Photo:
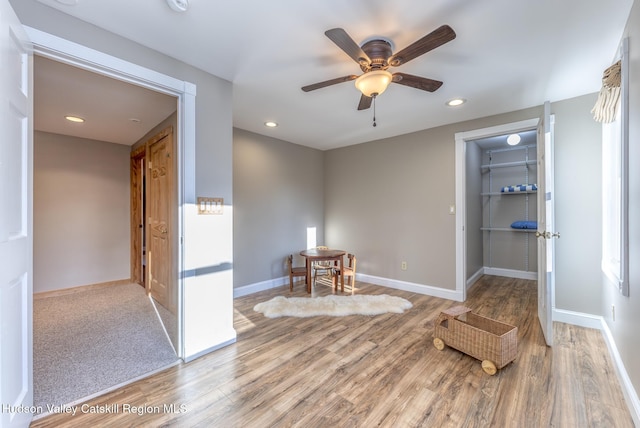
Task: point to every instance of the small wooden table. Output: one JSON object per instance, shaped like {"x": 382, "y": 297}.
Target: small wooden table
{"x": 313, "y": 255}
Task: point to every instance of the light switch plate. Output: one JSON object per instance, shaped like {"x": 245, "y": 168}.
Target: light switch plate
{"x": 210, "y": 206}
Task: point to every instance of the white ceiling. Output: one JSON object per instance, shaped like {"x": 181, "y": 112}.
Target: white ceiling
{"x": 508, "y": 55}
{"x": 114, "y": 111}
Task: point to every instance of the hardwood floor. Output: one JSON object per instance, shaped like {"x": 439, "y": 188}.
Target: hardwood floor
{"x": 362, "y": 371}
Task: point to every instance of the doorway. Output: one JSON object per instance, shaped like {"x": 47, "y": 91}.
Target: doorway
{"x": 154, "y": 223}
{"x": 153, "y": 206}
{"x": 501, "y": 205}
{"x": 478, "y": 203}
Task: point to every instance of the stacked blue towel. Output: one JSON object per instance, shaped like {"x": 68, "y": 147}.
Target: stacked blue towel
{"x": 519, "y": 188}
{"x": 525, "y": 224}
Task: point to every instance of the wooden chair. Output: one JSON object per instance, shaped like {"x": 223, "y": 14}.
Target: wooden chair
{"x": 349, "y": 272}
{"x": 325, "y": 265}
{"x": 295, "y": 271}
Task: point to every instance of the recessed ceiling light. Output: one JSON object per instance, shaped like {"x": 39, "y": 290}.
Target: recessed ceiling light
{"x": 68, "y": 2}
{"x": 456, "y": 102}
{"x": 74, "y": 119}
{"x": 270, "y": 124}
{"x": 513, "y": 139}
{"x": 135, "y": 120}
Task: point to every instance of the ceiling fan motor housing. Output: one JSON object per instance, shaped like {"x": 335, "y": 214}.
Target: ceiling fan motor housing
{"x": 378, "y": 51}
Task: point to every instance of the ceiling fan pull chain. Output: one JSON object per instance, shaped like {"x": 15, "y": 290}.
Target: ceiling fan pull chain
{"x": 374, "y": 111}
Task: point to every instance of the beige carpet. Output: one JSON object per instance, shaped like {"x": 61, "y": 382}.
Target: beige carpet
{"x": 90, "y": 341}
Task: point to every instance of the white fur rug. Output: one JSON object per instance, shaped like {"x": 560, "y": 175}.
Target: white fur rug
{"x": 337, "y": 306}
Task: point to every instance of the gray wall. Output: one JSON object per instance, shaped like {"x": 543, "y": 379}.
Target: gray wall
{"x": 578, "y": 207}
{"x": 278, "y": 191}
{"x": 387, "y": 201}
{"x": 625, "y": 326}
{"x": 80, "y": 212}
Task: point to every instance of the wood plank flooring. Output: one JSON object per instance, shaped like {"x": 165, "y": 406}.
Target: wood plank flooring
{"x": 361, "y": 371}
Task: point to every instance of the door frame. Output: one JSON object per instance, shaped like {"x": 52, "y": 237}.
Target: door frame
{"x": 136, "y": 210}
{"x": 461, "y": 139}
{"x": 67, "y": 52}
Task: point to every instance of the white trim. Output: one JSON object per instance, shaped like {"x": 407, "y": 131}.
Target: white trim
{"x": 461, "y": 214}
{"x": 461, "y": 188}
{"x": 245, "y": 290}
{"x": 599, "y": 323}
{"x": 80, "y": 56}
{"x": 233, "y": 339}
{"x": 630, "y": 394}
{"x": 412, "y": 287}
{"x": 511, "y": 273}
{"x": 72, "y": 53}
{"x": 473, "y": 278}
{"x": 376, "y": 280}
{"x": 577, "y": 318}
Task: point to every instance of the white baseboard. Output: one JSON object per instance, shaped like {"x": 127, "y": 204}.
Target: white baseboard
{"x": 245, "y": 290}
{"x": 473, "y": 278}
{"x": 630, "y": 394}
{"x": 577, "y": 318}
{"x": 411, "y": 286}
{"x": 599, "y": 323}
{"x": 228, "y": 342}
{"x": 511, "y": 273}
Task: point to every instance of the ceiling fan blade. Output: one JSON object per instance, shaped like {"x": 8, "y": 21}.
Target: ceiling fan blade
{"x": 436, "y": 38}
{"x": 329, "y": 83}
{"x": 417, "y": 82}
{"x": 365, "y": 102}
{"x": 346, "y": 43}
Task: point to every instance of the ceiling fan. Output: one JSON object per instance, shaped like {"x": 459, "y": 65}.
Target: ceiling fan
{"x": 375, "y": 57}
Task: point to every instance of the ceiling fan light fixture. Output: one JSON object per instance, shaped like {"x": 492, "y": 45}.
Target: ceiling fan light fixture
{"x": 374, "y": 82}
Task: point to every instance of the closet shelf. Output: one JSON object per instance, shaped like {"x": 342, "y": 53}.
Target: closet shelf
{"x": 507, "y": 229}
{"x": 528, "y": 192}
{"x": 491, "y": 166}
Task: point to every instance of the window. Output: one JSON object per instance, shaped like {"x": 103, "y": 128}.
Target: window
{"x": 614, "y": 190}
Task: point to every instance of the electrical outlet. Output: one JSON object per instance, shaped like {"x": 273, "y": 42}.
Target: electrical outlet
{"x": 613, "y": 312}
{"x": 403, "y": 265}
{"x": 452, "y": 209}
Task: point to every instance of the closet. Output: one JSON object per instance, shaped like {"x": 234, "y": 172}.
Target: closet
{"x": 508, "y": 206}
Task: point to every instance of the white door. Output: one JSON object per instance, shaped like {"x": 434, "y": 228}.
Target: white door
{"x": 545, "y": 233}
{"x": 16, "y": 171}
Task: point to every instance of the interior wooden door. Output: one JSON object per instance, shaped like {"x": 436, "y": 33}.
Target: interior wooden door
{"x": 138, "y": 250}
{"x": 160, "y": 197}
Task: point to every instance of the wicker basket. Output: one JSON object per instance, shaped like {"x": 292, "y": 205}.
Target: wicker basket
{"x": 490, "y": 341}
